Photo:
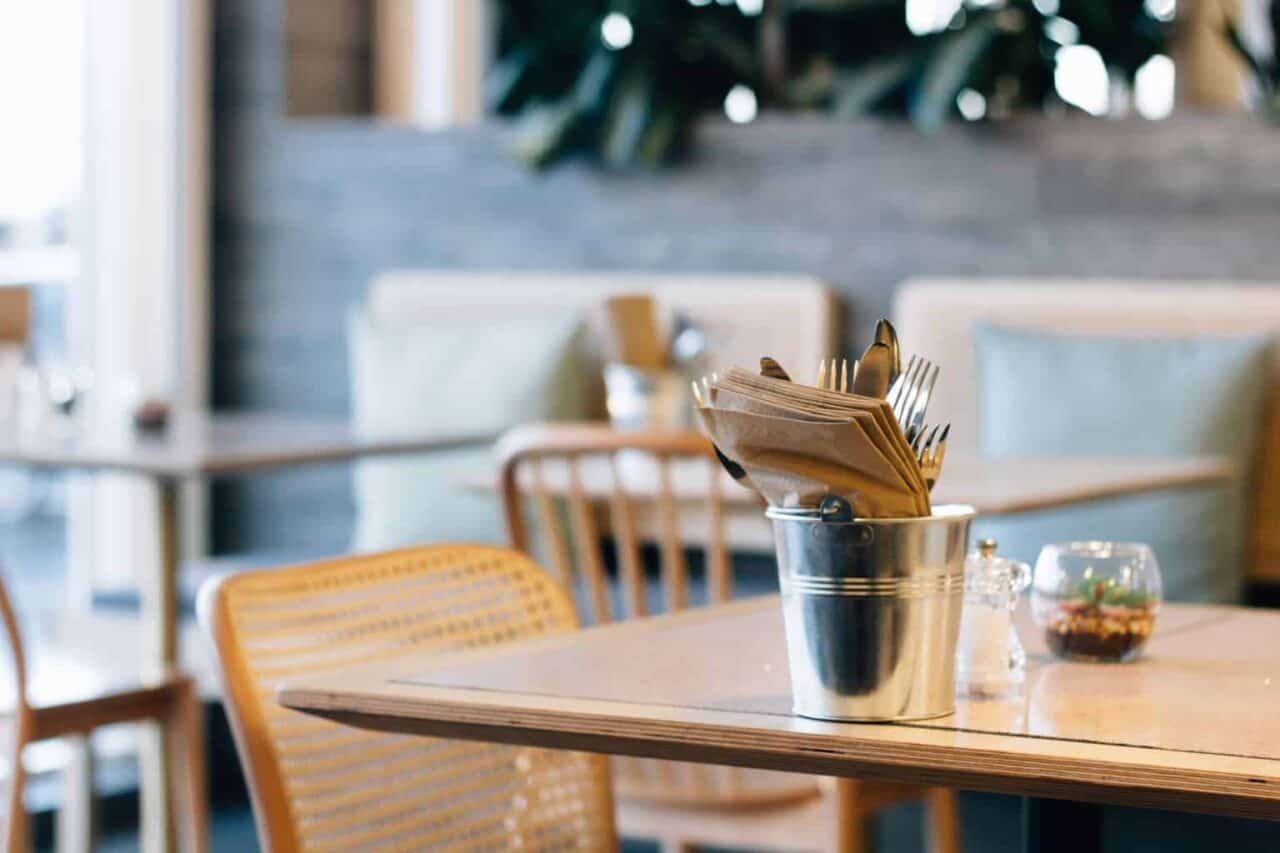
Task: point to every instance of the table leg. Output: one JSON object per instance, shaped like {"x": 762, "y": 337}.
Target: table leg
{"x": 1061, "y": 826}
{"x": 74, "y": 822}
{"x": 160, "y": 656}
{"x": 853, "y": 833}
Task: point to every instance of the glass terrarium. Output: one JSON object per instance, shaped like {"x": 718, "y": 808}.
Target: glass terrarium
{"x": 1096, "y": 601}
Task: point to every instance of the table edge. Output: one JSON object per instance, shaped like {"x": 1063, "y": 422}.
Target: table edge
{"x": 1247, "y": 786}
{"x": 972, "y": 761}
{"x": 245, "y": 461}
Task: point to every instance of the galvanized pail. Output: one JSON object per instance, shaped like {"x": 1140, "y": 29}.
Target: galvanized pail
{"x": 872, "y": 610}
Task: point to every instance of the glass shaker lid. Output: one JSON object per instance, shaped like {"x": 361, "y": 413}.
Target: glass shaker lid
{"x": 984, "y": 567}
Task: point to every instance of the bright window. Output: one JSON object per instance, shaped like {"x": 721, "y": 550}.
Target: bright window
{"x": 41, "y": 139}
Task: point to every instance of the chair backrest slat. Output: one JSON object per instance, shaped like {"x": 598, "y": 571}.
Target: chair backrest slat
{"x": 549, "y": 525}
{"x": 719, "y": 577}
{"x": 627, "y": 546}
{"x": 586, "y": 541}
{"x": 675, "y": 570}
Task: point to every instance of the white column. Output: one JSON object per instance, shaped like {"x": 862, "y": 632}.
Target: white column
{"x": 143, "y": 313}
{"x": 144, "y": 260}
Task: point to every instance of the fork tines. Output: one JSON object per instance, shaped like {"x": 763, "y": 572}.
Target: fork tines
{"x": 836, "y": 376}
{"x": 930, "y": 452}
{"x": 905, "y": 379}
{"x": 909, "y": 396}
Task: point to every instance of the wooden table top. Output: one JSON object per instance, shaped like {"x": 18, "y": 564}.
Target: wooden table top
{"x": 992, "y": 486}
{"x": 198, "y": 444}
{"x": 1194, "y": 725}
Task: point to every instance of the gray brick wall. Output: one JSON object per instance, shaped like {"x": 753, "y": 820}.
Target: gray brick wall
{"x": 307, "y": 210}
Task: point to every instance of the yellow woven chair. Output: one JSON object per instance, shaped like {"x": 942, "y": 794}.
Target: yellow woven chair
{"x": 318, "y": 785}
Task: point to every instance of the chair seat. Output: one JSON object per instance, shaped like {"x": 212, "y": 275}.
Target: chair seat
{"x": 195, "y": 573}
{"x": 759, "y": 578}
{"x": 59, "y": 713}
{"x": 806, "y": 826}
{"x": 63, "y": 680}
{"x": 68, "y": 693}
{"x": 681, "y": 785}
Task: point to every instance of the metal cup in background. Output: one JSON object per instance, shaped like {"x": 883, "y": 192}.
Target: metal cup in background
{"x": 639, "y": 399}
{"x": 647, "y": 399}
{"x": 872, "y": 610}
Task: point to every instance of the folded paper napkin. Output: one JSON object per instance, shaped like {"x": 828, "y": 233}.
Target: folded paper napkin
{"x": 799, "y": 444}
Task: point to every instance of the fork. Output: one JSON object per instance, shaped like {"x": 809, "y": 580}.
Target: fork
{"x": 930, "y": 450}
{"x": 909, "y": 396}
{"x": 831, "y": 379}
{"x": 898, "y": 390}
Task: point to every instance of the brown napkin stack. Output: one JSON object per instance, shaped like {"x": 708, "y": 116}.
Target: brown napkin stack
{"x": 799, "y": 444}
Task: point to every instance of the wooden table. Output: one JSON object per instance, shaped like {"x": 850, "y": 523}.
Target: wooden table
{"x": 195, "y": 446}
{"x": 1194, "y": 725}
{"x": 991, "y": 486}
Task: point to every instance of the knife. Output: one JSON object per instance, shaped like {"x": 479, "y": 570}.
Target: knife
{"x": 886, "y": 334}
{"x": 874, "y": 368}
{"x": 773, "y": 370}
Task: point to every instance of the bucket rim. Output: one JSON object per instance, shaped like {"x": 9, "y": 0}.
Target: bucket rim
{"x": 811, "y": 515}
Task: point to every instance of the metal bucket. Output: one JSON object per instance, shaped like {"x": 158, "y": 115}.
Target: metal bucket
{"x": 872, "y": 610}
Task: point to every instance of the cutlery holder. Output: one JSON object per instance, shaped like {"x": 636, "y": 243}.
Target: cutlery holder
{"x": 872, "y": 610}
{"x": 639, "y": 398}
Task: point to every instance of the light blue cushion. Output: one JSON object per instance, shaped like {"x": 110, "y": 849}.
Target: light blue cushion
{"x": 1050, "y": 394}
{"x": 446, "y": 379}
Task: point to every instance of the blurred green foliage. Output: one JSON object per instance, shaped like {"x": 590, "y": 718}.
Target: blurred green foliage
{"x": 636, "y": 104}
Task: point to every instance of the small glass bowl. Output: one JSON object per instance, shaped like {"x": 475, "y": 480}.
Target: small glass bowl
{"x": 1096, "y": 601}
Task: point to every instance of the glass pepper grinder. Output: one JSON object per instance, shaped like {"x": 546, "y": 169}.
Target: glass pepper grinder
{"x": 990, "y": 661}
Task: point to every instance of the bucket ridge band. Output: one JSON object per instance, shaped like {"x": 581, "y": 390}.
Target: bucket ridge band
{"x": 863, "y": 587}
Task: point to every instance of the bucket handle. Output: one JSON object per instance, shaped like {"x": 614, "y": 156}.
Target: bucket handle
{"x": 835, "y": 510}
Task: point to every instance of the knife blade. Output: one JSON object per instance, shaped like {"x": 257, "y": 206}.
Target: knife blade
{"x": 773, "y": 370}
{"x": 872, "y": 378}
{"x": 886, "y": 334}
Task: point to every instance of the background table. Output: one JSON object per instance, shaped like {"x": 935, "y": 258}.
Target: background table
{"x": 196, "y": 445}
{"x": 991, "y": 486}
{"x": 1194, "y": 726}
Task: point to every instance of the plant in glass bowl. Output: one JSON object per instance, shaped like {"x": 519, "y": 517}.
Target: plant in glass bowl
{"x": 1096, "y": 601}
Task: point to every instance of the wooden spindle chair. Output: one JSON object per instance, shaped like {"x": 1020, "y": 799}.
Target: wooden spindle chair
{"x": 319, "y": 785}
{"x": 72, "y": 712}
{"x": 606, "y": 480}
